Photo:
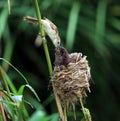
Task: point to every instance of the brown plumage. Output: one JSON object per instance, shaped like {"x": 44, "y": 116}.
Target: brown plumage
{"x": 62, "y": 57}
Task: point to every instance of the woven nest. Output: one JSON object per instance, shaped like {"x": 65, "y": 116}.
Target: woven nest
{"x": 72, "y": 81}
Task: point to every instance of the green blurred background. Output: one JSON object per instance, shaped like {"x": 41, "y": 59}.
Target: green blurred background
{"x": 88, "y": 26}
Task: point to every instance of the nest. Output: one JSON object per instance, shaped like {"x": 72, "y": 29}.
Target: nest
{"x": 72, "y": 81}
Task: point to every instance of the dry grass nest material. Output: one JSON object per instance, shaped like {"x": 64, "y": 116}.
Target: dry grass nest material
{"x": 72, "y": 81}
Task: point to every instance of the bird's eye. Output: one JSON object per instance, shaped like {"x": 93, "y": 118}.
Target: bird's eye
{"x": 58, "y": 43}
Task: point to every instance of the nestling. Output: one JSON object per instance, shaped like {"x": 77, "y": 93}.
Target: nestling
{"x": 62, "y": 57}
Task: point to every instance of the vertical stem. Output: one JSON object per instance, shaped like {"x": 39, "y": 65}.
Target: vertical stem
{"x": 39, "y": 18}
{"x": 41, "y": 30}
{"x": 9, "y": 7}
{"x": 47, "y": 57}
{"x": 2, "y": 111}
{"x": 58, "y": 104}
{"x": 4, "y": 81}
{"x": 65, "y": 116}
{"x": 83, "y": 108}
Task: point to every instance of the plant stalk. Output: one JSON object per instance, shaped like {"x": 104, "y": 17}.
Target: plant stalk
{"x": 4, "y": 81}
{"x": 41, "y": 31}
{"x": 83, "y": 109}
{"x": 39, "y": 18}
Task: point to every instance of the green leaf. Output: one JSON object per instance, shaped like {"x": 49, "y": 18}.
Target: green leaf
{"x": 33, "y": 91}
{"x": 73, "y": 18}
{"x": 15, "y": 69}
{"x": 9, "y": 108}
{"x": 9, "y": 47}
{"x": 48, "y": 100}
{"x": 87, "y": 115}
{"x": 100, "y": 26}
{"x": 3, "y": 20}
{"x": 53, "y": 117}
{"x": 21, "y": 89}
{"x": 115, "y": 23}
{"x": 11, "y": 85}
{"x": 38, "y": 116}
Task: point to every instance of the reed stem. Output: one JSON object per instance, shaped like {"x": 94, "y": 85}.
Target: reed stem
{"x": 41, "y": 31}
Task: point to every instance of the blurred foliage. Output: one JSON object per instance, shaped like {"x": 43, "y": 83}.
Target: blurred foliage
{"x": 88, "y": 26}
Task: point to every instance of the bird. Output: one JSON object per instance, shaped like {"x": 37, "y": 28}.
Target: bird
{"x": 52, "y": 31}
{"x": 49, "y": 28}
{"x": 62, "y": 57}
